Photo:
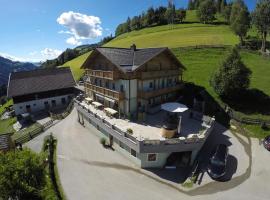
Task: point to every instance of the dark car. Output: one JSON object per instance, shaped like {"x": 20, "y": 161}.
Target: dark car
{"x": 218, "y": 161}
{"x": 266, "y": 142}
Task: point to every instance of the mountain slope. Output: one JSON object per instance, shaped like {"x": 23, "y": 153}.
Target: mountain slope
{"x": 180, "y": 35}
{"x": 76, "y": 64}
{"x": 7, "y": 66}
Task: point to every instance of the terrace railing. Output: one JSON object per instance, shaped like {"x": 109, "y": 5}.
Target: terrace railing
{"x": 145, "y": 145}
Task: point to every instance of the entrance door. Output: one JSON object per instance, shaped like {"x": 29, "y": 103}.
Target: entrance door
{"x": 46, "y": 105}
{"x": 28, "y": 108}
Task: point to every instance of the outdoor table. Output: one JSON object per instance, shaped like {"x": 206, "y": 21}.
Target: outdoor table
{"x": 88, "y": 100}
{"x": 96, "y": 104}
{"x": 110, "y": 111}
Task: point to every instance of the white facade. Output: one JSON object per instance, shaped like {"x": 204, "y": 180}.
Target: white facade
{"x": 40, "y": 104}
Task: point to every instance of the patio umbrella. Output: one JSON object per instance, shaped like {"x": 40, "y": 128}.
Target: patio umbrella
{"x": 174, "y": 107}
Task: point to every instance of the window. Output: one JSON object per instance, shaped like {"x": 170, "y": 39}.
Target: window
{"x": 133, "y": 152}
{"x": 53, "y": 103}
{"x": 122, "y": 88}
{"x": 152, "y": 157}
{"x": 21, "y": 107}
{"x": 35, "y": 104}
{"x": 113, "y": 86}
{"x": 150, "y": 85}
{"x": 63, "y": 100}
{"x": 107, "y": 84}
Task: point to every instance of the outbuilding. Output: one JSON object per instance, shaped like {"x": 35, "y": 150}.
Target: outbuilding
{"x": 41, "y": 89}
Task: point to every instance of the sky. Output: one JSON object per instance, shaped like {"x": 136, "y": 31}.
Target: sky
{"x": 36, "y": 30}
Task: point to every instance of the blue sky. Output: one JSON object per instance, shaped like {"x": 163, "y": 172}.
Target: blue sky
{"x": 40, "y": 29}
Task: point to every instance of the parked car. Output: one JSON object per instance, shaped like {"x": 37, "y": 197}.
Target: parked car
{"x": 80, "y": 82}
{"x": 218, "y": 161}
{"x": 266, "y": 142}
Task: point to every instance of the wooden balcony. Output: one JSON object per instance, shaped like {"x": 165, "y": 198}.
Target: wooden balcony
{"x": 102, "y": 74}
{"x": 158, "y": 74}
{"x": 106, "y": 92}
{"x": 159, "y": 92}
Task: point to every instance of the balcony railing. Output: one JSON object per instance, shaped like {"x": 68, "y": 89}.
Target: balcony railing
{"x": 106, "y": 92}
{"x": 102, "y": 74}
{"x": 158, "y": 74}
{"x": 158, "y": 92}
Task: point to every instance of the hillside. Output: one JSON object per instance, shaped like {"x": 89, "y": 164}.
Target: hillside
{"x": 75, "y": 65}
{"x": 7, "y": 66}
{"x": 179, "y": 35}
{"x": 173, "y": 36}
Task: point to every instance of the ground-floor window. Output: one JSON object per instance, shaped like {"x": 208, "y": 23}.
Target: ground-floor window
{"x": 53, "y": 103}
{"x": 63, "y": 100}
{"x": 133, "y": 152}
{"x": 152, "y": 157}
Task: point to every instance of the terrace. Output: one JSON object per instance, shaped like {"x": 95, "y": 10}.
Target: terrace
{"x": 151, "y": 129}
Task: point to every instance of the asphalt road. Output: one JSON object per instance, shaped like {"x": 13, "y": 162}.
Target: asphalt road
{"x": 88, "y": 171}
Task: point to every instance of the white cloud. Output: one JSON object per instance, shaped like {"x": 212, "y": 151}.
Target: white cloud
{"x": 73, "y": 41}
{"x": 48, "y": 53}
{"x": 80, "y": 26}
{"x": 12, "y": 58}
{"x": 33, "y": 53}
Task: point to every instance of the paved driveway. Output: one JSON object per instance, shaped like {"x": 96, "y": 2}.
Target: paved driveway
{"x": 88, "y": 171}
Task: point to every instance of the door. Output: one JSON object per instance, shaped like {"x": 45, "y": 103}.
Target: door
{"x": 28, "y": 108}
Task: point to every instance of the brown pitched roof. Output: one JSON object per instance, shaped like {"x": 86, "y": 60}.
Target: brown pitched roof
{"x": 40, "y": 80}
{"x": 130, "y": 59}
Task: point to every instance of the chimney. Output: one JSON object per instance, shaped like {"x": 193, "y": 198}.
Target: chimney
{"x": 133, "y": 47}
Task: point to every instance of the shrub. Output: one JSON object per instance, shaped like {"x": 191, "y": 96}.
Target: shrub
{"x": 103, "y": 141}
{"x": 130, "y": 131}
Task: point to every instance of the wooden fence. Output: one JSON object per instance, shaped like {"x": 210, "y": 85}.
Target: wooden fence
{"x": 29, "y": 135}
{"x": 64, "y": 114}
{"x": 246, "y": 120}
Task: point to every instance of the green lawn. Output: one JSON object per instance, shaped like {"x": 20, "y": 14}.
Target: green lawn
{"x": 7, "y": 104}
{"x": 201, "y": 63}
{"x": 6, "y": 125}
{"x": 76, "y": 64}
{"x": 256, "y": 131}
{"x": 180, "y": 35}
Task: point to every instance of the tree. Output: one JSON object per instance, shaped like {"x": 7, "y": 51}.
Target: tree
{"x": 150, "y": 16}
{"x": 160, "y": 18}
{"x": 206, "y": 11}
{"x": 223, "y": 5}
{"x": 232, "y": 76}
{"x": 226, "y": 12}
{"x": 261, "y": 19}
{"x": 218, "y": 5}
{"x": 181, "y": 15}
{"x": 170, "y": 13}
{"x": 240, "y": 19}
{"x": 22, "y": 175}
{"x": 128, "y": 24}
{"x": 191, "y": 5}
{"x": 135, "y": 23}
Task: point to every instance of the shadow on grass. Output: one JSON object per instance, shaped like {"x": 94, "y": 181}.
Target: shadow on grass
{"x": 252, "y": 101}
{"x": 212, "y": 107}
